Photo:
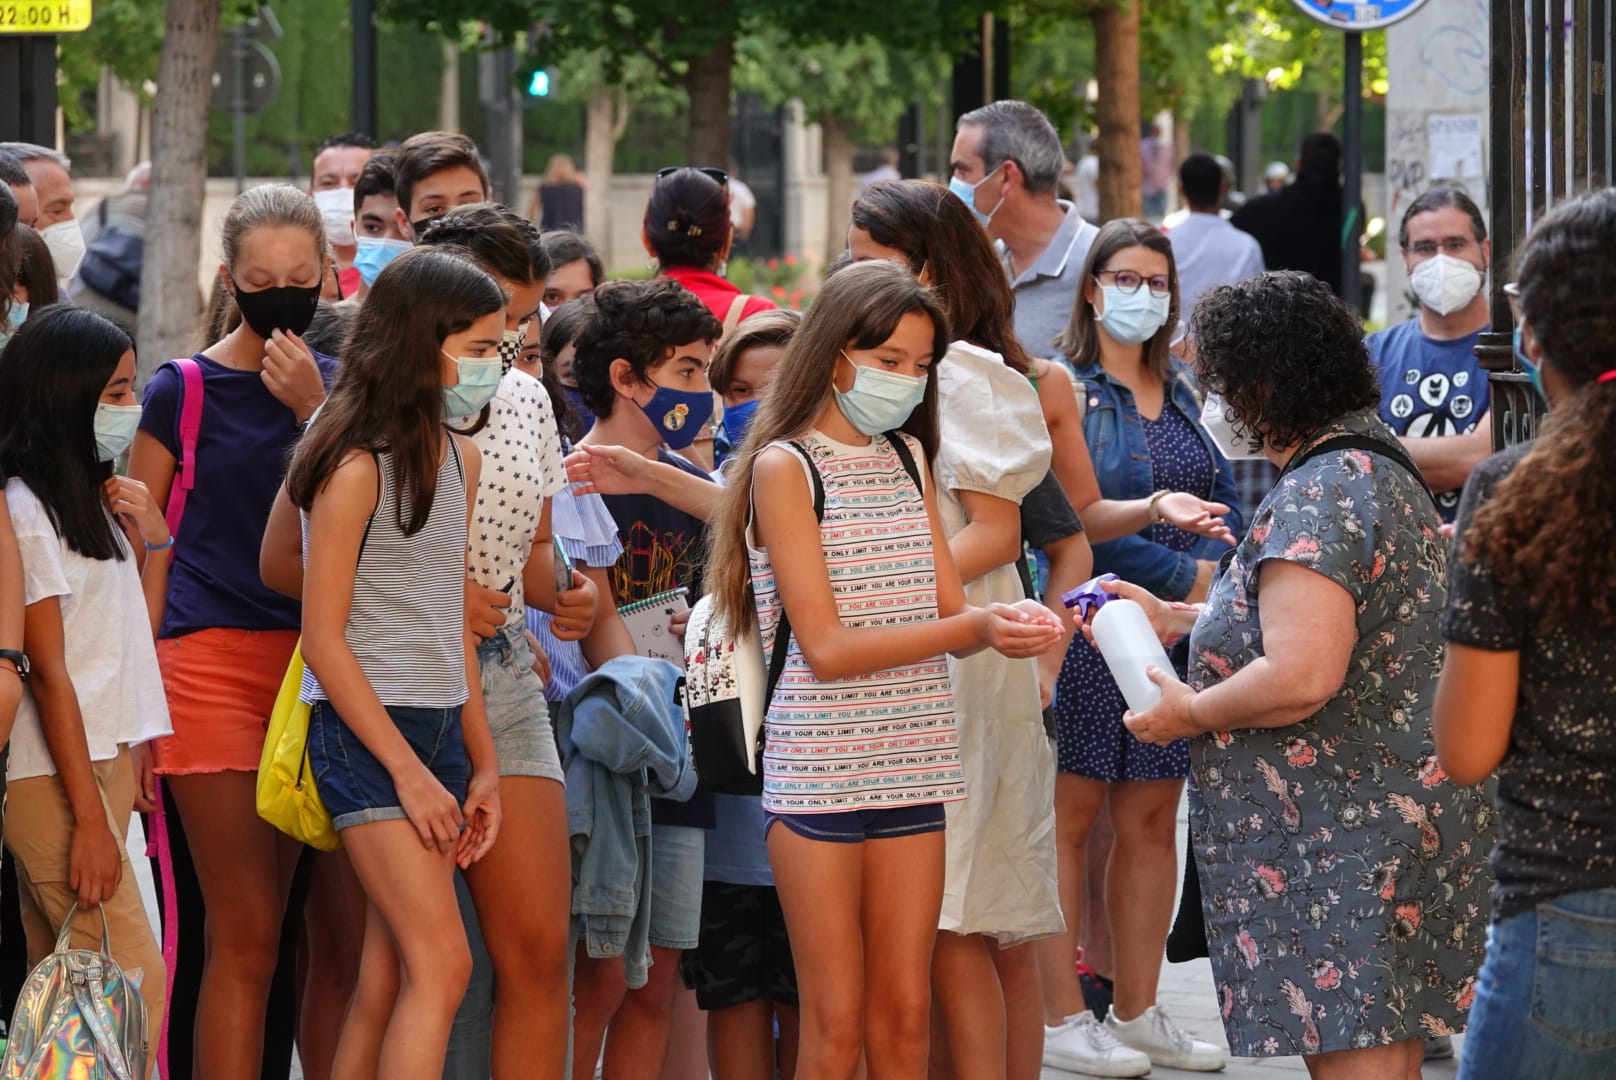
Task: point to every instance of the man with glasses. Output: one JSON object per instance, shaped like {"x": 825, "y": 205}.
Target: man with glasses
{"x": 1006, "y": 164}
{"x": 1433, "y": 390}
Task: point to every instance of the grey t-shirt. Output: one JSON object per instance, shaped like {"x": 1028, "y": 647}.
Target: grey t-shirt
{"x": 1557, "y": 782}
{"x": 1046, "y": 291}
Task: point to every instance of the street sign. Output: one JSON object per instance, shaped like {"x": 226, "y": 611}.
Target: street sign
{"x": 44, "y": 16}
{"x": 259, "y": 82}
{"x": 1346, "y": 15}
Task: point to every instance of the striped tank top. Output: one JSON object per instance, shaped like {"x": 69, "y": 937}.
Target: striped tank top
{"x": 886, "y": 738}
{"x": 409, "y": 605}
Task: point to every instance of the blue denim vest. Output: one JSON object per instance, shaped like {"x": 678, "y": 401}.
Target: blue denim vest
{"x": 1116, "y": 442}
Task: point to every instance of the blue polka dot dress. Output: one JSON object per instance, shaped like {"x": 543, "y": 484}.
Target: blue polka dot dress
{"x": 1091, "y": 740}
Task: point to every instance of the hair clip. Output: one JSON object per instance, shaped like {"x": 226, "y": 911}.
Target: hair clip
{"x": 693, "y": 230}
{"x": 673, "y": 226}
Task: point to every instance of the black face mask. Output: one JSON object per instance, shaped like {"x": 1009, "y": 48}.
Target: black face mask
{"x": 287, "y": 308}
{"x": 419, "y": 227}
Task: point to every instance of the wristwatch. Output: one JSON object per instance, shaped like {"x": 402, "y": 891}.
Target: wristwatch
{"x": 18, "y": 660}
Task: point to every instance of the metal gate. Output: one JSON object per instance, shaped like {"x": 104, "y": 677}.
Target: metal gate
{"x": 1551, "y": 138}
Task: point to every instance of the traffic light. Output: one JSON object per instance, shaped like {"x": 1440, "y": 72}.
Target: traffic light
{"x": 540, "y": 86}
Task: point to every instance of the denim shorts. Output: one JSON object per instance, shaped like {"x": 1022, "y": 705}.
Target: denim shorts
{"x": 678, "y": 859}
{"x": 518, "y": 716}
{"x": 356, "y": 788}
{"x": 855, "y": 826}
{"x": 1543, "y": 999}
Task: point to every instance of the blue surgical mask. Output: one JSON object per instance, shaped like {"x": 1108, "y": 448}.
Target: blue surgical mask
{"x": 115, "y": 427}
{"x": 476, "y": 381}
{"x": 967, "y": 195}
{"x": 18, "y": 315}
{"x": 1133, "y": 318}
{"x": 737, "y": 418}
{"x": 373, "y": 254}
{"x": 1533, "y": 371}
{"x": 586, "y": 415}
{"x": 879, "y": 400}
{"x": 679, "y": 415}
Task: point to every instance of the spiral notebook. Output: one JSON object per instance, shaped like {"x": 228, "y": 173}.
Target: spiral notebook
{"x": 647, "y": 621}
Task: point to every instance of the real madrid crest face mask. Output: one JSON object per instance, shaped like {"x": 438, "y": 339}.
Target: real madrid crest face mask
{"x": 679, "y": 415}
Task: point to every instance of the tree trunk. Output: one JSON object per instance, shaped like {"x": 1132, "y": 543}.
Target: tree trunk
{"x": 708, "y": 87}
{"x": 600, "y": 148}
{"x": 170, "y": 304}
{"x": 838, "y": 185}
{"x": 1116, "y": 70}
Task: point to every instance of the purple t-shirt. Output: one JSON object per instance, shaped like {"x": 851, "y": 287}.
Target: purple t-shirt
{"x": 241, "y": 453}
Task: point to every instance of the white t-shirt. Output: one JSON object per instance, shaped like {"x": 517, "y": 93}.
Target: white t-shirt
{"x": 522, "y": 466}
{"x": 107, "y": 637}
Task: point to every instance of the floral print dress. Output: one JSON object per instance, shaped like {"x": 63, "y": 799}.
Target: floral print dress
{"x": 1344, "y": 878}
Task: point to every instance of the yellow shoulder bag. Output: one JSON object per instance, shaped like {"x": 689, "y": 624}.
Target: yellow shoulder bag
{"x": 287, "y": 796}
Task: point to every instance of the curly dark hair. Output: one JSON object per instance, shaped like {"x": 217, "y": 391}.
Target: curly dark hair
{"x": 641, "y": 322}
{"x": 1565, "y": 273}
{"x": 1285, "y": 353}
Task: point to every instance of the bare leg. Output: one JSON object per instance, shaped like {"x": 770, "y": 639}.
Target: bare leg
{"x": 598, "y": 989}
{"x": 637, "y": 1037}
{"x": 1399, "y": 1059}
{"x": 1140, "y": 884}
{"x": 740, "y": 1041}
{"x": 245, "y": 869}
{"x": 790, "y": 1024}
{"x": 1095, "y": 939}
{"x": 902, "y": 897}
{"x": 1077, "y": 801}
{"x": 1023, "y": 1010}
{"x": 334, "y": 929}
{"x": 521, "y": 889}
{"x": 970, "y": 1004}
{"x": 687, "y": 1041}
{"x": 412, "y": 898}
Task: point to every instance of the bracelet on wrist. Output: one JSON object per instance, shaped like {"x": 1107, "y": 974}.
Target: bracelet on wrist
{"x": 161, "y": 547}
{"x": 1154, "y": 506}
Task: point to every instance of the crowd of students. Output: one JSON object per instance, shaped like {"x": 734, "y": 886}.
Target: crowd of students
{"x": 475, "y": 488}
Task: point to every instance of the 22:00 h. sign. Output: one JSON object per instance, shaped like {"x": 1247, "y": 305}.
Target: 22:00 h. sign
{"x": 44, "y": 16}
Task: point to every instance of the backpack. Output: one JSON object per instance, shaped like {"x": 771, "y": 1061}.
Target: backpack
{"x": 79, "y": 1014}
{"x": 111, "y": 265}
{"x": 727, "y": 693}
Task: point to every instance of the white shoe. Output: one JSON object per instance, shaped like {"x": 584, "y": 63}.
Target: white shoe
{"x": 1083, "y": 1045}
{"x": 1155, "y": 1034}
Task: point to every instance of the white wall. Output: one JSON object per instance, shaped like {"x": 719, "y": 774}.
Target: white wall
{"x": 1437, "y": 67}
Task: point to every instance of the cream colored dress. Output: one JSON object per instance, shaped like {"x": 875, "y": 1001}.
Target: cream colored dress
{"x": 1001, "y": 877}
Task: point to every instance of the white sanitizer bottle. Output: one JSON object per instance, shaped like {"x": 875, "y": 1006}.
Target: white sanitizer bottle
{"x": 1122, "y": 631}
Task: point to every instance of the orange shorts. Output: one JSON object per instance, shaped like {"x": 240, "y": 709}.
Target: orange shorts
{"x": 221, "y": 686}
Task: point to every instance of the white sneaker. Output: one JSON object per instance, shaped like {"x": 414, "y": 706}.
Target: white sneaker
{"x": 1083, "y": 1045}
{"x": 1155, "y": 1034}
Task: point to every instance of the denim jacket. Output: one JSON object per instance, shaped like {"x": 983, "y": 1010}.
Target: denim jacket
{"x": 1116, "y": 442}
{"x": 621, "y": 732}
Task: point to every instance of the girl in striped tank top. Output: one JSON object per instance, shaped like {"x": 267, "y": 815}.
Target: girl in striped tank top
{"x": 861, "y": 750}
{"x": 399, "y": 742}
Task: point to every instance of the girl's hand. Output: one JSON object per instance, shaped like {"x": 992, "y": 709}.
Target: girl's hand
{"x": 94, "y": 863}
{"x": 1017, "y": 633}
{"x": 430, "y": 808}
{"x": 575, "y": 610}
{"x": 485, "y": 609}
{"x": 131, "y": 502}
{"x": 1169, "y": 621}
{"x": 140, "y": 759}
{"x": 677, "y": 623}
{"x": 291, "y": 374}
{"x": 1195, "y": 515}
{"x": 482, "y": 817}
{"x": 608, "y": 470}
{"x": 1169, "y": 719}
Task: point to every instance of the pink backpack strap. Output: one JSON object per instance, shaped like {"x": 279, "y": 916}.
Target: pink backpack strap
{"x": 190, "y": 424}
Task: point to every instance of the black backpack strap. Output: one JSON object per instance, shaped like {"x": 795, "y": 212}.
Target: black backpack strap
{"x": 901, "y": 448}
{"x": 1369, "y": 445}
{"x": 782, "y": 632}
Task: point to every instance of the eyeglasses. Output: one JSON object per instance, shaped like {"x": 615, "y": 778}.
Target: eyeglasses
{"x": 1453, "y": 245}
{"x": 717, "y": 175}
{"x": 1129, "y": 281}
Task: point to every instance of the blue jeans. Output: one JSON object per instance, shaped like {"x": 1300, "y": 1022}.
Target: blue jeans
{"x": 1544, "y": 998}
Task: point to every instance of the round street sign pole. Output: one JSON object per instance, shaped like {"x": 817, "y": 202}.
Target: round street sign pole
{"x": 1354, "y": 19}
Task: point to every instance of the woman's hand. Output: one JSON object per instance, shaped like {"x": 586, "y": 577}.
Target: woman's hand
{"x": 291, "y": 374}
{"x": 141, "y": 761}
{"x": 485, "y": 609}
{"x": 1019, "y": 630}
{"x": 541, "y": 661}
{"x": 608, "y": 470}
{"x": 1169, "y": 719}
{"x": 482, "y": 818}
{"x": 94, "y": 862}
{"x": 1195, "y": 515}
{"x": 575, "y": 610}
{"x": 131, "y": 502}
{"x": 431, "y": 809}
{"x": 1169, "y": 621}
